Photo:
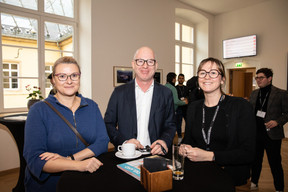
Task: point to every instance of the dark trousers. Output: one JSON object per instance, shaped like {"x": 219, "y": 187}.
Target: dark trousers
{"x": 273, "y": 151}
{"x": 179, "y": 117}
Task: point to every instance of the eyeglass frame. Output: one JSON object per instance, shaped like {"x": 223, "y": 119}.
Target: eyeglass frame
{"x": 260, "y": 78}
{"x": 208, "y": 72}
{"x": 57, "y": 75}
{"x": 145, "y": 61}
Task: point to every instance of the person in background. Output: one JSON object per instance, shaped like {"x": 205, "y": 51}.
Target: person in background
{"x": 271, "y": 110}
{"x": 141, "y": 111}
{"x": 170, "y": 83}
{"x": 50, "y": 146}
{"x": 179, "y": 98}
{"x": 193, "y": 89}
{"x": 220, "y": 128}
{"x": 52, "y": 91}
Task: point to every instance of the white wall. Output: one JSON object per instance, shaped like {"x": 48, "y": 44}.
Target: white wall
{"x": 121, "y": 27}
{"x": 268, "y": 20}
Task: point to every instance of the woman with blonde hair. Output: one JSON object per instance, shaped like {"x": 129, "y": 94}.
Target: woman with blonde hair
{"x": 51, "y": 146}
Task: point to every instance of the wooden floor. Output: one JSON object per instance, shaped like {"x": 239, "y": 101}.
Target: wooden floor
{"x": 8, "y": 179}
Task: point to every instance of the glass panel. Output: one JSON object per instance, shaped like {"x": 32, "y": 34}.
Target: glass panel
{"x": 187, "y": 34}
{"x": 187, "y": 55}
{"x": 60, "y": 7}
{"x": 67, "y": 54}
{"x": 177, "y": 68}
{"x": 48, "y": 71}
{"x": 187, "y": 70}
{"x": 177, "y": 31}
{"x": 15, "y": 27}
{"x": 6, "y": 84}
{"x": 58, "y": 36}
{"x": 29, "y": 4}
{"x": 5, "y": 66}
{"x": 27, "y": 58}
{"x": 177, "y": 53}
{"x": 14, "y": 66}
{"x": 52, "y": 56}
{"x": 6, "y": 74}
{"x": 16, "y": 98}
{"x": 14, "y": 83}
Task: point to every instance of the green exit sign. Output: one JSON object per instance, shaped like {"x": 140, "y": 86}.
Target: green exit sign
{"x": 238, "y": 64}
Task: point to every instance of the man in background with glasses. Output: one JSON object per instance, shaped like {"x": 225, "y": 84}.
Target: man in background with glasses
{"x": 142, "y": 111}
{"x": 271, "y": 110}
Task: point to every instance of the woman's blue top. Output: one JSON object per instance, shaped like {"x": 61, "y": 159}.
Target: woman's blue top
{"x": 45, "y": 131}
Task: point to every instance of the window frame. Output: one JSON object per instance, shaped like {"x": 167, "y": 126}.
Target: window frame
{"x": 182, "y": 44}
{"x": 41, "y": 18}
{"x": 10, "y": 70}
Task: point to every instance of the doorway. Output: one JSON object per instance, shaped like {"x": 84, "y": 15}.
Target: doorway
{"x": 241, "y": 82}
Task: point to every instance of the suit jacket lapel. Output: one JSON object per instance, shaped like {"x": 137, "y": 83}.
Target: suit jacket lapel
{"x": 271, "y": 96}
{"x": 154, "y": 103}
{"x": 154, "y": 106}
{"x": 131, "y": 100}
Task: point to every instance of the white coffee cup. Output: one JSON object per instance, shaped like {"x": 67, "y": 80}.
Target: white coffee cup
{"x": 127, "y": 149}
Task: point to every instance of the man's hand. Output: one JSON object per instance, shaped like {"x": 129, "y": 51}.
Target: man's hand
{"x": 271, "y": 124}
{"x": 156, "y": 147}
{"x": 136, "y": 142}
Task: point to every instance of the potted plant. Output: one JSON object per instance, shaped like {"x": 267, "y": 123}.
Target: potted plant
{"x": 34, "y": 95}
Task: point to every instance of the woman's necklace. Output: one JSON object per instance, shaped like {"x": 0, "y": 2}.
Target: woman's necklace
{"x": 208, "y": 136}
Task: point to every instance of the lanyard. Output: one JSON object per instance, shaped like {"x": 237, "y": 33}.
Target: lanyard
{"x": 207, "y": 138}
{"x": 260, "y": 100}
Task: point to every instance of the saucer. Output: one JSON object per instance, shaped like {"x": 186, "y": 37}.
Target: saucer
{"x": 119, "y": 154}
{"x": 145, "y": 153}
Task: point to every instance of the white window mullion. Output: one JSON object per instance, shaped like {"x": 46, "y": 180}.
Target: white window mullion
{"x": 41, "y": 52}
{"x": 1, "y": 75}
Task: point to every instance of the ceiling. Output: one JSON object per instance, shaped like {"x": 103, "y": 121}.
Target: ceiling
{"x": 217, "y": 7}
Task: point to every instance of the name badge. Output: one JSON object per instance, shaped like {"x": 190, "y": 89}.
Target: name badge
{"x": 261, "y": 114}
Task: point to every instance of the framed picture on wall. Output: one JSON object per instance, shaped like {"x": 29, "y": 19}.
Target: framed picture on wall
{"x": 158, "y": 76}
{"x": 122, "y": 75}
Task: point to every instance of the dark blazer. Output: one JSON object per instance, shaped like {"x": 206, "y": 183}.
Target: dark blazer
{"x": 121, "y": 118}
{"x": 277, "y": 109}
{"x": 240, "y": 135}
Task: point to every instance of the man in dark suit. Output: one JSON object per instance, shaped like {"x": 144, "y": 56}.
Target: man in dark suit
{"x": 142, "y": 111}
{"x": 271, "y": 108}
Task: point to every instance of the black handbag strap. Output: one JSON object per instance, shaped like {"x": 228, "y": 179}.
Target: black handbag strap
{"x": 68, "y": 123}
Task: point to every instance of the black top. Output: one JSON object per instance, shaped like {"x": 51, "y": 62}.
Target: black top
{"x": 232, "y": 137}
{"x": 261, "y": 104}
{"x": 220, "y": 140}
{"x": 182, "y": 92}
